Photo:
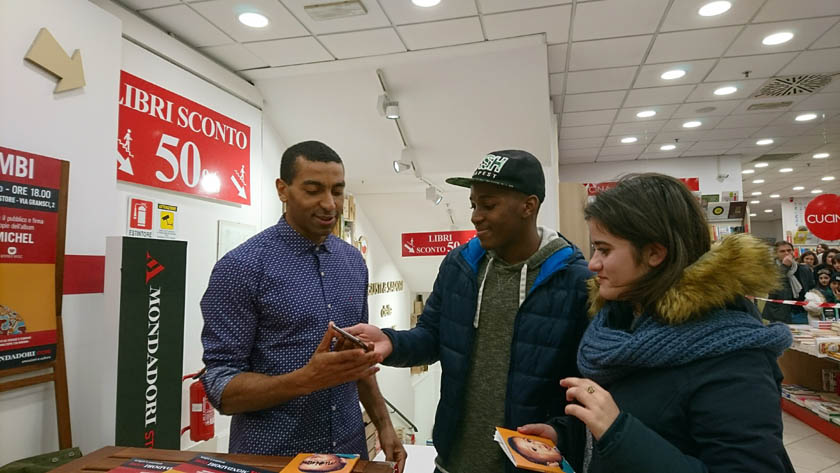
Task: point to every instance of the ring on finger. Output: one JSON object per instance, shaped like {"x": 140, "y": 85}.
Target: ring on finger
{"x": 590, "y": 389}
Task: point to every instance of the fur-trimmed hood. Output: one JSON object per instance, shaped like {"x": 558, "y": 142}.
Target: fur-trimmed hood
{"x": 739, "y": 265}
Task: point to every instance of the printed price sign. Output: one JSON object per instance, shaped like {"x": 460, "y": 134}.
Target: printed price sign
{"x": 170, "y": 142}
{"x": 434, "y": 243}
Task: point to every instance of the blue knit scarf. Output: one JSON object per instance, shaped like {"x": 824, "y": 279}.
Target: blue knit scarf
{"x": 607, "y": 354}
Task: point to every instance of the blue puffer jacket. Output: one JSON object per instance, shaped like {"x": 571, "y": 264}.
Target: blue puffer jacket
{"x": 548, "y": 328}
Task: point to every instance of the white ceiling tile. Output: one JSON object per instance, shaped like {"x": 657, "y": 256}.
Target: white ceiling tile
{"x": 821, "y": 101}
{"x": 668, "y": 136}
{"x": 805, "y": 32}
{"x": 793, "y": 148}
{"x": 730, "y": 133}
{"x": 707, "y": 123}
{"x": 595, "y": 101}
{"x": 285, "y": 52}
{"x": 716, "y": 145}
{"x": 600, "y": 80}
{"x": 646, "y": 128}
{"x": 658, "y": 95}
{"x": 700, "y": 153}
{"x": 785, "y": 130}
{"x": 225, "y": 15}
{"x": 695, "y": 71}
{"x": 615, "y": 148}
{"x": 599, "y": 117}
{"x": 834, "y": 86}
{"x": 751, "y": 120}
{"x": 187, "y": 25}
{"x": 693, "y": 110}
{"x": 706, "y": 91}
{"x": 234, "y": 56}
{"x": 441, "y": 33}
{"x": 557, "y": 58}
{"x": 815, "y": 140}
{"x": 557, "y": 104}
{"x": 402, "y": 13}
{"x": 687, "y": 45}
{"x": 555, "y": 83}
{"x": 145, "y": 4}
{"x": 829, "y": 40}
{"x": 654, "y": 151}
{"x": 566, "y": 145}
{"x": 743, "y": 107}
{"x": 663, "y": 112}
{"x": 608, "y": 18}
{"x": 363, "y": 43}
{"x": 553, "y": 21}
{"x": 496, "y": 6}
{"x": 575, "y": 132}
{"x": 619, "y": 157}
{"x": 683, "y": 15}
{"x": 579, "y": 155}
{"x": 608, "y": 53}
{"x": 375, "y": 18}
{"x": 810, "y": 62}
{"x": 765, "y": 65}
{"x": 778, "y": 10}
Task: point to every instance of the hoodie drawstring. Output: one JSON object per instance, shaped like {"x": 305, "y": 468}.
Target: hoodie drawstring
{"x": 481, "y": 292}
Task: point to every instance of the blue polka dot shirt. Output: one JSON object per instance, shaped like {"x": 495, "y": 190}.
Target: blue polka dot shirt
{"x": 265, "y": 311}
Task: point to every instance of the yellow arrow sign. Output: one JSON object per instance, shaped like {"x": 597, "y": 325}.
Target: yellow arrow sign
{"x": 50, "y": 56}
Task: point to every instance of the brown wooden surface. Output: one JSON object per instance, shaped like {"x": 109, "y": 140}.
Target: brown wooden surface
{"x": 22, "y": 383}
{"x": 62, "y": 396}
{"x": 27, "y": 368}
{"x": 803, "y": 369}
{"x": 108, "y": 458}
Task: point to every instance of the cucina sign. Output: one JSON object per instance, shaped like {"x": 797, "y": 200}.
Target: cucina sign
{"x": 822, "y": 217}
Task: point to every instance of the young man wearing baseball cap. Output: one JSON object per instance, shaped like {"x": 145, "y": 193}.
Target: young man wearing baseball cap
{"x": 504, "y": 318}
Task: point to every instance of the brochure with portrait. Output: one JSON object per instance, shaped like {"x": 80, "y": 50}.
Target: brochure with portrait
{"x": 208, "y": 464}
{"x": 334, "y": 462}
{"x": 531, "y": 452}
{"x": 139, "y": 465}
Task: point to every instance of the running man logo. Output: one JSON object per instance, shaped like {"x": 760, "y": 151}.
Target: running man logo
{"x": 153, "y": 268}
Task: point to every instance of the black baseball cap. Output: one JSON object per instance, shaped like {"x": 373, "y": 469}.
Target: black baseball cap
{"x": 835, "y": 277}
{"x": 513, "y": 168}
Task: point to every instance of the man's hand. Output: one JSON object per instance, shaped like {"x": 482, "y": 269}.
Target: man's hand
{"x": 393, "y": 447}
{"x": 371, "y": 333}
{"x": 330, "y": 368}
{"x": 788, "y": 260}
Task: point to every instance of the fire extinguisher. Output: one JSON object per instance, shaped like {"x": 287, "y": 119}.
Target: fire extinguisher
{"x": 202, "y": 416}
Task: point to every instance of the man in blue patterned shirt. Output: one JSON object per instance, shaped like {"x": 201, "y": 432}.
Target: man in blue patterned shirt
{"x": 267, "y": 340}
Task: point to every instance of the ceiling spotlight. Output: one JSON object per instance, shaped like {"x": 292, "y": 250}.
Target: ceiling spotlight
{"x": 425, "y": 3}
{"x": 756, "y": 193}
{"x": 816, "y": 191}
{"x": 799, "y": 188}
{"x": 629, "y": 139}
{"x": 764, "y": 142}
{"x": 777, "y": 38}
{"x": 821, "y": 155}
{"x": 767, "y": 211}
{"x": 748, "y": 171}
{"x": 646, "y": 113}
{"x": 758, "y": 181}
{"x": 755, "y": 202}
{"x": 254, "y": 20}
{"x": 693, "y": 124}
{"x": 667, "y": 147}
{"x": 761, "y": 165}
{"x": 673, "y": 74}
{"x": 726, "y": 90}
{"x": 400, "y": 166}
{"x": 774, "y": 196}
{"x": 392, "y": 110}
{"x": 714, "y": 8}
{"x": 433, "y": 195}
{"x": 806, "y": 117}
{"x": 753, "y": 215}
{"x": 828, "y": 178}
{"x": 786, "y": 170}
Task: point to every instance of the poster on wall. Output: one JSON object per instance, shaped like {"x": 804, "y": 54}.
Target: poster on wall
{"x": 170, "y": 142}
{"x": 29, "y": 221}
{"x": 594, "y": 188}
{"x": 434, "y": 243}
{"x": 151, "y": 343}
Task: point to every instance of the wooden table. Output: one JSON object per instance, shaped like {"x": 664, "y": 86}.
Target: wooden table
{"x": 108, "y": 458}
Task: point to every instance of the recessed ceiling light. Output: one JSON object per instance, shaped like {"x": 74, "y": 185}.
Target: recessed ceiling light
{"x": 774, "y": 196}
{"x": 629, "y": 139}
{"x": 758, "y": 181}
{"x": 786, "y": 170}
{"x": 726, "y": 90}
{"x": 755, "y": 201}
{"x": 816, "y": 191}
{"x": 806, "y": 117}
{"x": 777, "y": 38}
{"x": 694, "y": 124}
{"x": 828, "y": 178}
{"x": 753, "y": 215}
{"x": 767, "y": 211}
{"x": 646, "y": 113}
{"x": 714, "y": 8}
{"x": 672, "y": 74}
{"x": 756, "y": 193}
{"x": 764, "y": 142}
{"x": 761, "y": 165}
{"x": 821, "y": 155}
{"x": 799, "y": 188}
{"x": 254, "y": 20}
{"x": 748, "y": 171}
{"x": 667, "y": 147}
{"x": 425, "y": 3}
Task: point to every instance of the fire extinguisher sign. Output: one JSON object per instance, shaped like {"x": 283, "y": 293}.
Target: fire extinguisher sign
{"x": 140, "y": 213}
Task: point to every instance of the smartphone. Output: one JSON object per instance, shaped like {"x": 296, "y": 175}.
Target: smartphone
{"x": 350, "y": 337}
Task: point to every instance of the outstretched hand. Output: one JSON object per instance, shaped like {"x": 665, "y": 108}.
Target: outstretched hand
{"x": 327, "y": 368}
{"x": 371, "y": 333}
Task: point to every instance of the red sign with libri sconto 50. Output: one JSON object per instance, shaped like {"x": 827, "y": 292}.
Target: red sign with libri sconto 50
{"x": 822, "y": 217}
{"x": 434, "y": 243}
{"x": 170, "y": 142}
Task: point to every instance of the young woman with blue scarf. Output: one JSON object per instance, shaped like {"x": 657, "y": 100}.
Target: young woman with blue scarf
{"x": 679, "y": 373}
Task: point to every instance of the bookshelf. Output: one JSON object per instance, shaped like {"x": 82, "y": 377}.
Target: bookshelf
{"x": 727, "y": 218}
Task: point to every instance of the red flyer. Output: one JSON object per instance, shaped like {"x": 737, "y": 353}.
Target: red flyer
{"x": 170, "y": 142}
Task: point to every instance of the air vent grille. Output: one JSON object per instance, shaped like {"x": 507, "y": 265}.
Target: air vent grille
{"x": 774, "y": 157}
{"x": 769, "y": 106}
{"x": 793, "y": 85}
{"x": 335, "y": 10}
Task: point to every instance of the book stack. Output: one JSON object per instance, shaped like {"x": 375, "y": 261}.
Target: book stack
{"x": 304, "y": 462}
{"x": 824, "y": 404}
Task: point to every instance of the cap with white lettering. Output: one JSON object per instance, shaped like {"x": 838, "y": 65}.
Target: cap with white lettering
{"x": 515, "y": 169}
